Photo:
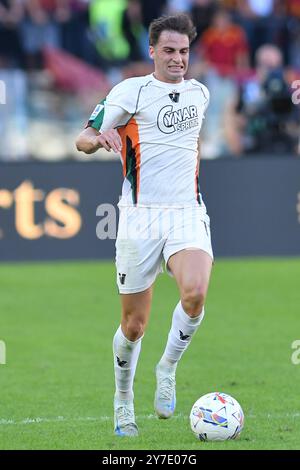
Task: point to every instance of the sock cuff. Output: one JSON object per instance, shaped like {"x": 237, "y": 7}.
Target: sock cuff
{"x": 186, "y": 318}
{"x": 126, "y": 340}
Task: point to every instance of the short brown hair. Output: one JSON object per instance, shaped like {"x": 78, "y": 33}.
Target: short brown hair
{"x": 180, "y": 23}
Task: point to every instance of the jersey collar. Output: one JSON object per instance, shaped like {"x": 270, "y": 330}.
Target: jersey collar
{"x": 166, "y": 85}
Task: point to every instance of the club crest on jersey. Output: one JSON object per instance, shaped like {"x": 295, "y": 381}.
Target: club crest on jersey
{"x": 169, "y": 121}
{"x": 174, "y": 96}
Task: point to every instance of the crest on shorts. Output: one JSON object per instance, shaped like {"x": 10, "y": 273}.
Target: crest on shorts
{"x": 122, "y": 278}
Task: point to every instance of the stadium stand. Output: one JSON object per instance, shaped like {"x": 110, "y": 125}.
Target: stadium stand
{"x": 57, "y": 57}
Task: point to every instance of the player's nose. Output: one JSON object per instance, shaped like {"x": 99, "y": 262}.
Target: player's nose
{"x": 177, "y": 58}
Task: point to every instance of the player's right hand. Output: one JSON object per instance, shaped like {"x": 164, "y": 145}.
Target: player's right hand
{"x": 110, "y": 140}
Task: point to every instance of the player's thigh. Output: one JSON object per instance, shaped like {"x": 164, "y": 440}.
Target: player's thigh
{"x": 138, "y": 304}
{"x": 188, "y": 251}
{"x": 191, "y": 268}
{"x": 138, "y": 255}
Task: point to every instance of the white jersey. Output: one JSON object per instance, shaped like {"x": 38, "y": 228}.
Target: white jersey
{"x": 159, "y": 124}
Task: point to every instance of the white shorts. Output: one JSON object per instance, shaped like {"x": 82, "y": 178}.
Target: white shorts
{"x": 148, "y": 236}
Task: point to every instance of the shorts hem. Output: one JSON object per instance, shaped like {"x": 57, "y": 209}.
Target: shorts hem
{"x": 135, "y": 290}
{"x": 210, "y": 253}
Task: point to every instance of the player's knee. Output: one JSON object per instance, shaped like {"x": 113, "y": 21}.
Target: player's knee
{"x": 193, "y": 299}
{"x": 134, "y": 328}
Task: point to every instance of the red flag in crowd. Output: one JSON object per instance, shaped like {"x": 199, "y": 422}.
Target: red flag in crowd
{"x": 72, "y": 74}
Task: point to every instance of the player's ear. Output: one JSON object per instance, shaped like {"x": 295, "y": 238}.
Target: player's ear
{"x": 151, "y": 52}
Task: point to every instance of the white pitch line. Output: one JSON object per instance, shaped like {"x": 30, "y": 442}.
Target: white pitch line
{"x": 63, "y": 419}
{"x": 60, "y": 419}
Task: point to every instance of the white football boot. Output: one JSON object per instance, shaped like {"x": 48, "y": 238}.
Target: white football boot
{"x": 124, "y": 419}
{"x": 165, "y": 395}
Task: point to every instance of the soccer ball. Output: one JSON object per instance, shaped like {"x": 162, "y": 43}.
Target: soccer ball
{"x": 216, "y": 417}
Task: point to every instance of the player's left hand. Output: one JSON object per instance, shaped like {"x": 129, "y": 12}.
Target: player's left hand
{"x": 110, "y": 140}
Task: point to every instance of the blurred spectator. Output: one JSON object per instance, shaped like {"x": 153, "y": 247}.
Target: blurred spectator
{"x": 202, "y": 12}
{"x": 152, "y": 9}
{"x": 75, "y": 36}
{"x": 218, "y": 130}
{"x": 269, "y": 122}
{"x": 175, "y": 6}
{"x": 134, "y": 31}
{"x": 262, "y": 21}
{"x": 230, "y": 4}
{"x": 14, "y": 116}
{"x": 293, "y": 41}
{"x": 11, "y": 53}
{"x": 224, "y": 45}
{"x": 106, "y": 24}
{"x": 41, "y": 27}
{"x": 293, "y": 8}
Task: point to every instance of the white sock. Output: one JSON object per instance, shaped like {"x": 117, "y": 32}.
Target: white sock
{"x": 180, "y": 335}
{"x": 126, "y": 354}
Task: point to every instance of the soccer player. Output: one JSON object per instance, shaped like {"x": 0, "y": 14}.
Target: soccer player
{"x": 154, "y": 121}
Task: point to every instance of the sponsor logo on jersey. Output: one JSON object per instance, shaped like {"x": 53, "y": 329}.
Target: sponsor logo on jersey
{"x": 169, "y": 121}
{"x": 96, "y": 111}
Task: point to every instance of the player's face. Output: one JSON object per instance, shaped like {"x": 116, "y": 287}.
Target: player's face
{"x": 171, "y": 56}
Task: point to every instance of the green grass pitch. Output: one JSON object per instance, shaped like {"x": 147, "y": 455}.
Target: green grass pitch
{"x": 58, "y": 319}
